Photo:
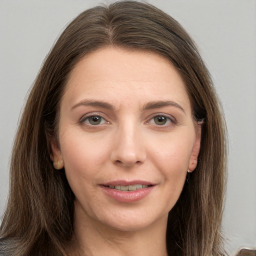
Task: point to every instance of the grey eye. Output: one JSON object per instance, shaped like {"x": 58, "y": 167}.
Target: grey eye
{"x": 94, "y": 120}
{"x": 161, "y": 120}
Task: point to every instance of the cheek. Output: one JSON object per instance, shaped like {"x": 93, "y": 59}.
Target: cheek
{"x": 172, "y": 160}
{"x": 82, "y": 157}
{"x": 172, "y": 153}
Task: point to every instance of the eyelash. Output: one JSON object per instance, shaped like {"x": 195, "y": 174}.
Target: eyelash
{"x": 85, "y": 118}
{"x": 169, "y": 119}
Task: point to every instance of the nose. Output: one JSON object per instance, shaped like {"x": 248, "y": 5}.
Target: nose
{"x": 128, "y": 149}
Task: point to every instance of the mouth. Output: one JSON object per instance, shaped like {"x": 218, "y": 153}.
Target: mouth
{"x": 127, "y": 191}
{"x": 128, "y": 187}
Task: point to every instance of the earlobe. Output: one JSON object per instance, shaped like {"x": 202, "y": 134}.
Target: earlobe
{"x": 58, "y": 164}
{"x": 55, "y": 155}
{"x": 196, "y": 149}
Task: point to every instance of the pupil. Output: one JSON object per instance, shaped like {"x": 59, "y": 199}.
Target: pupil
{"x": 95, "y": 120}
{"x": 160, "y": 120}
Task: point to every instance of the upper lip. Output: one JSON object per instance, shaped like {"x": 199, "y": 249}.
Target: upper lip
{"x": 127, "y": 183}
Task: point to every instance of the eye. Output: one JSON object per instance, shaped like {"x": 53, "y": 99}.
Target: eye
{"x": 93, "y": 120}
{"x": 161, "y": 120}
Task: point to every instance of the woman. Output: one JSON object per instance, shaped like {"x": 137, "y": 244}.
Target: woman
{"x": 121, "y": 147}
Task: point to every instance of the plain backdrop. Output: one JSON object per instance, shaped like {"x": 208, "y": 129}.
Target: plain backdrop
{"x": 225, "y": 32}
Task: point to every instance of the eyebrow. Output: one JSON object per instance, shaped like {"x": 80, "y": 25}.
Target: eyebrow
{"x": 160, "y": 104}
{"x": 147, "y": 106}
{"x": 94, "y": 103}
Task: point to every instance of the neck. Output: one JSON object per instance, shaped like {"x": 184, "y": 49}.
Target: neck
{"x": 96, "y": 239}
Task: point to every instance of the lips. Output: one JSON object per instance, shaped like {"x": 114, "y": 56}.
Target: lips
{"x": 127, "y": 191}
{"x": 129, "y": 187}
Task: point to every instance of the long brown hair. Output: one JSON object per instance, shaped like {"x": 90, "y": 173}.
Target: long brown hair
{"x": 39, "y": 216}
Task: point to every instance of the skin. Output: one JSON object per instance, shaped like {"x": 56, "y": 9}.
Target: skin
{"x": 125, "y": 141}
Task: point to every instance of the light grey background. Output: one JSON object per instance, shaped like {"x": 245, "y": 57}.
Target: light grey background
{"x": 225, "y": 32}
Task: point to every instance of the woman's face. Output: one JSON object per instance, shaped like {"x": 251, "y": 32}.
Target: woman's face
{"x": 126, "y": 124}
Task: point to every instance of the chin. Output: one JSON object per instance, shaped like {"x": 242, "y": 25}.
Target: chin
{"x": 133, "y": 222}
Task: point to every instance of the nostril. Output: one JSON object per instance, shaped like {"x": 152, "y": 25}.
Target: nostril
{"x": 128, "y": 154}
{"x": 127, "y": 163}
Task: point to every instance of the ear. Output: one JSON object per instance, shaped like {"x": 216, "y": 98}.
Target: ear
{"x": 196, "y": 149}
{"x": 55, "y": 155}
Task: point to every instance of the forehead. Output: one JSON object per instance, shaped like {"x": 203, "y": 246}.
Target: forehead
{"x": 116, "y": 73}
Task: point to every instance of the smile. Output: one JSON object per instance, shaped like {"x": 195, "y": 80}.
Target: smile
{"x": 127, "y": 191}
{"x": 129, "y": 187}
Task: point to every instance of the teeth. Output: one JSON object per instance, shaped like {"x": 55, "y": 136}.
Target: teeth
{"x": 124, "y": 188}
{"x": 129, "y": 188}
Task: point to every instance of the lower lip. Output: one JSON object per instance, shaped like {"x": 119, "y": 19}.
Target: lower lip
{"x": 127, "y": 196}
